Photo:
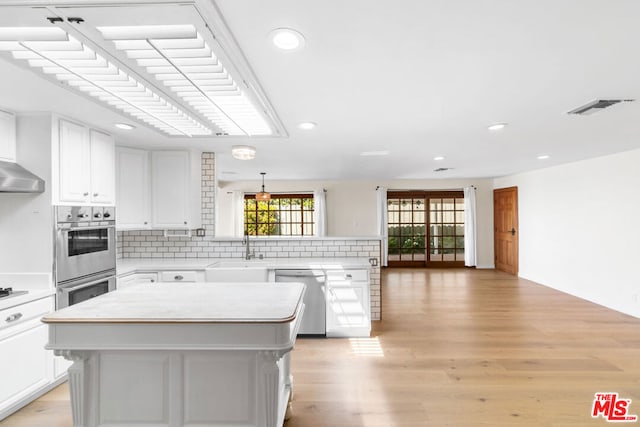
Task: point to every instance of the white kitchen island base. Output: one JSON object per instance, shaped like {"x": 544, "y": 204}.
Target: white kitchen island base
{"x": 138, "y": 367}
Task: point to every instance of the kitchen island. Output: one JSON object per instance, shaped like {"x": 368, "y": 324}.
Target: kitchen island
{"x": 204, "y": 354}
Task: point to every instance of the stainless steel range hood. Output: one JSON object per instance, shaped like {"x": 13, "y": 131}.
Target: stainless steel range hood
{"x": 16, "y": 179}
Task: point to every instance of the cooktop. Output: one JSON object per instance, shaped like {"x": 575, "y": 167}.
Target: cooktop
{"x": 9, "y": 292}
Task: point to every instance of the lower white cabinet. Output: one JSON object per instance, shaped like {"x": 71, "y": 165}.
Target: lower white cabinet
{"x": 135, "y": 279}
{"x": 27, "y": 366}
{"x": 348, "y": 305}
{"x": 182, "y": 276}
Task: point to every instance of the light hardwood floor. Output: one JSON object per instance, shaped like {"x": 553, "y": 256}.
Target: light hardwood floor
{"x": 456, "y": 347}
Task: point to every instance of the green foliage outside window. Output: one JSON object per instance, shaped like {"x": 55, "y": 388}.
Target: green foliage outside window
{"x": 280, "y": 216}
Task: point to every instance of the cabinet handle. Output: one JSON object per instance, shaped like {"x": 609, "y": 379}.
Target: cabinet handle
{"x": 95, "y": 194}
{"x": 185, "y": 223}
{"x": 348, "y": 276}
{"x": 178, "y": 277}
{"x": 85, "y": 194}
{"x": 152, "y": 281}
{"x": 13, "y": 317}
{"x": 145, "y": 223}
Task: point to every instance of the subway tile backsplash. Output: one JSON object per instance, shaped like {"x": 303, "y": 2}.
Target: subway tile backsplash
{"x": 153, "y": 244}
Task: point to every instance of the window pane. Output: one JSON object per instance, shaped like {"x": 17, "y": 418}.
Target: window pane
{"x": 418, "y": 204}
{"x": 448, "y": 204}
{"x": 393, "y": 205}
{"x": 459, "y": 254}
{"x": 394, "y": 231}
{"x": 459, "y": 242}
{"x": 435, "y": 217}
{"x": 276, "y": 217}
{"x": 435, "y": 204}
{"x": 460, "y": 204}
{"x": 460, "y": 217}
{"x": 394, "y": 217}
{"x": 418, "y": 217}
{"x": 448, "y": 216}
{"x": 448, "y": 242}
{"x": 308, "y": 229}
{"x": 448, "y": 229}
{"x": 405, "y": 204}
{"x": 460, "y": 230}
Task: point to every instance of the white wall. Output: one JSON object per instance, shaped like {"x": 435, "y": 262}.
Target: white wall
{"x": 579, "y": 229}
{"x": 351, "y": 205}
{"x": 26, "y": 233}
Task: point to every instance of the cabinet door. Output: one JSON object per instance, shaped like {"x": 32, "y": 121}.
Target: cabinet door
{"x": 136, "y": 279}
{"x": 26, "y": 364}
{"x": 170, "y": 191}
{"x": 7, "y": 136}
{"x": 348, "y": 310}
{"x": 102, "y": 152}
{"x": 74, "y": 163}
{"x": 133, "y": 189}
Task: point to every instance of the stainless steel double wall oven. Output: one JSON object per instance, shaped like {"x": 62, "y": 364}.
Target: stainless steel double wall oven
{"x": 85, "y": 253}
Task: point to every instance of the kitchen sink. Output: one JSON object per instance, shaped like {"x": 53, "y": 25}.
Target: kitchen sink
{"x": 241, "y": 263}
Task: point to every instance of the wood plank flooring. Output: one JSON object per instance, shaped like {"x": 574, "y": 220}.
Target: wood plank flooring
{"x": 456, "y": 347}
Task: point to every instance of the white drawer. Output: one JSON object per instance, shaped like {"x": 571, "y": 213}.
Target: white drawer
{"x": 25, "y": 312}
{"x": 178, "y": 276}
{"x": 358, "y": 275}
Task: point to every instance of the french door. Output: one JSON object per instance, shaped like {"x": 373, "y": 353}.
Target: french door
{"x": 426, "y": 228}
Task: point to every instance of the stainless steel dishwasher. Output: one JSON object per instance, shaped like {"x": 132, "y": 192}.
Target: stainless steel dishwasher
{"x": 314, "y": 317}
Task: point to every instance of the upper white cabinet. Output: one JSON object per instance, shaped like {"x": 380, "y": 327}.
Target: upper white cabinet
{"x": 86, "y": 165}
{"x": 133, "y": 195}
{"x": 175, "y": 189}
{"x": 7, "y": 136}
{"x": 102, "y": 152}
{"x": 158, "y": 189}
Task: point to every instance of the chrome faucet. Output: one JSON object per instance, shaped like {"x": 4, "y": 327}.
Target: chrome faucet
{"x": 249, "y": 253}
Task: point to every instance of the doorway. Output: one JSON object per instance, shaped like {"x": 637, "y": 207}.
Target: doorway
{"x": 426, "y": 228}
{"x": 505, "y": 229}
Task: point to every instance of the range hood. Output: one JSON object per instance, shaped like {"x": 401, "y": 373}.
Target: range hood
{"x": 16, "y": 179}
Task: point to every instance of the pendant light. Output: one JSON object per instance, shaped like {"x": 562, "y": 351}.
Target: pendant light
{"x": 263, "y": 195}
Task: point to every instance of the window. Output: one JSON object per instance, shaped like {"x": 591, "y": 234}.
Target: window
{"x": 283, "y": 215}
{"x": 426, "y": 228}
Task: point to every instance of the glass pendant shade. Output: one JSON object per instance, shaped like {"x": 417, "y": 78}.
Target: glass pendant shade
{"x": 263, "y": 195}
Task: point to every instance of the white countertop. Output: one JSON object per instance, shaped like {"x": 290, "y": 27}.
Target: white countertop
{"x": 38, "y": 285}
{"x": 130, "y": 265}
{"x": 189, "y": 303}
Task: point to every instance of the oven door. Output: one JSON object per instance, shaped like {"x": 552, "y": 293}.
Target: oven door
{"x": 81, "y": 251}
{"x": 86, "y": 288}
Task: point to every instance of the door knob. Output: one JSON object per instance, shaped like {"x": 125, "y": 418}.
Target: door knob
{"x": 513, "y": 231}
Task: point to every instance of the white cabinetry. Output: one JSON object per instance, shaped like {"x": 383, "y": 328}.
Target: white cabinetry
{"x": 135, "y": 279}
{"x": 182, "y": 276}
{"x": 28, "y": 366}
{"x": 175, "y": 189}
{"x": 85, "y": 166}
{"x": 133, "y": 195}
{"x": 348, "y": 306}
{"x": 7, "y": 136}
{"x": 173, "y": 182}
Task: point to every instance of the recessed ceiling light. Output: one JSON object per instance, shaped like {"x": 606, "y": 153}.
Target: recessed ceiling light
{"x": 374, "y": 153}
{"x": 438, "y": 158}
{"x": 307, "y": 125}
{"x": 243, "y": 152}
{"x": 543, "y": 156}
{"x": 124, "y": 126}
{"x": 497, "y": 126}
{"x": 287, "y": 39}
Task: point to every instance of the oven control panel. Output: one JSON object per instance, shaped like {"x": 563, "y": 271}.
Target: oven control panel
{"x": 85, "y": 214}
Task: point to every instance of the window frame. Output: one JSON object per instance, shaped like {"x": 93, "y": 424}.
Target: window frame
{"x": 301, "y": 225}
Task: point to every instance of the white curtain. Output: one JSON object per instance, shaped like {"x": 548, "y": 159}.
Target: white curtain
{"x": 470, "y": 231}
{"x": 238, "y": 213}
{"x": 383, "y": 228}
{"x": 320, "y": 212}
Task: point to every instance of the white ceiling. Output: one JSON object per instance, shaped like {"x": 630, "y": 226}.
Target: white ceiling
{"x": 417, "y": 78}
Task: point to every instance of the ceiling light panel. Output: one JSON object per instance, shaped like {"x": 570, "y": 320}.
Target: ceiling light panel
{"x": 180, "y": 58}
{"x": 58, "y": 54}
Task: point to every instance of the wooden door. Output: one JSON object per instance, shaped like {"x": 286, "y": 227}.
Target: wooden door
{"x": 505, "y": 228}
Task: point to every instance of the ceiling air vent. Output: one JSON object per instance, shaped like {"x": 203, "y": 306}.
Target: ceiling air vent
{"x": 597, "y": 105}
